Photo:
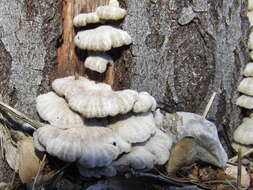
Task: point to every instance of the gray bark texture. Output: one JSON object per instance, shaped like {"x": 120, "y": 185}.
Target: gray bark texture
{"x": 182, "y": 52}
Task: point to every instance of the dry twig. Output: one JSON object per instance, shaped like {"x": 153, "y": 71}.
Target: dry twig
{"x": 19, "y": 115}
{"x": 208, "y": 106}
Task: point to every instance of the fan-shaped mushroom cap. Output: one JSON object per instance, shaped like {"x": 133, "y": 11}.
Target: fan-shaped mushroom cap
{"x": 244, "y": 133}
{"x": 98, "y": 62}
{"x": 246, "y": 86}
{"x": 248, "y": 71}
{"x": 155, "y": 150}
{"x": 245, "y": 102}
{"x": 56, "y": 111}
{"x": 85, "y": 18}
{"x": 114, "y": 3}
{"x": 102, "y": 38}
{"x": 108, "y": 12}
{"x": 204, "y": 133}
{"x": 90, "y": 146}
{"x": 250, "y": 17}
{"x": 102, "y": 103}
{"x": 134, "y": 128}
{"x": 250, "y": 5}
{"x": 108, "y": 171}
{"x": 144, "y": 103}
{"x": 159, "y": 145}
{"x": 69, "y": 85}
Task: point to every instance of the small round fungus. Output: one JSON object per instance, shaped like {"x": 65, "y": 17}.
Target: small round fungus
{"x": 244, "y": 133}
{"x": 144, "y": 103}
{"x": 90, "y": 146}
{"x": 134, "y": 128}
{"x": 85, "y": 19}
{"x": 98, "y": 62}
{"x": 102, "y": 38}
{"x": 248, "y": 71}
{"x": 56, "y": 111}
{"x": 246, "y": 86}
{"x": 103, "y": 103}
{"x": 245, "y": 102}
{"x": 108, "y": 12}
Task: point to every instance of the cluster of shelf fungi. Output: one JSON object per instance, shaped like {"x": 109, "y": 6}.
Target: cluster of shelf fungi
{"x": 243, "y": 135}
{"x": 106, "y": 132}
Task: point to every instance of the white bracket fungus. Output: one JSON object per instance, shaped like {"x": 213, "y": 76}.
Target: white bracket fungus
{"x": 144, "y": 103}
{"x": 102, "y": 38}
{"x": 89, "y": 146}
{"x": 244, "y": 133}
{"x": 134, "y": 128}
{"x": 155, "y": 151}
{"x": 248, "y": 71}
{"x": 85, "y": 18}
{"x": 246, "y": 86}
{"x": 56, "y": 111}
{"x": 250, "y": 17}
{"x": 114, "y": 3}
{"x": 108, "y": 12}
{"x": 250, "y": 5}
{"x": 98, "y": 62}
{"x": 250, "y": 42}
{"x": 102, "y": 103}
{"x": 204, "y": 133}
{"x": 69, "y": 85}
{"x": 245, "y": 102}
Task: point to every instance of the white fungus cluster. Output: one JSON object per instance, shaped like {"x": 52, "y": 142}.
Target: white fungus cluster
{"x": 129, "y": 138}
{"x": 243, "y": 132}
{"x": 102, "y": 38}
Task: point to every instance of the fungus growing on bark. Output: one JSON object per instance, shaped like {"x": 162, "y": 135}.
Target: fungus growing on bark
{"x": 103, "y": 103}
{"x": 85, "y": 19}
{"x": 89, "y": 146}
{"x": 102, "y": 38}
{"x": 250, "y": 42}
{"x": 250, "y": 17}
{"x": 246, "y": 86}
{"x": 250, "y": 5}
{"x": 69, "y": 85}
{"x": 114, "y": 3}
{"x": 108, "y": 12}
{"x": 248, "y": 71}
{"x": 98, "y": 62}
{"x": 134, "y": 128}
{"x": 144, "y": 103}
{"x": 155, "y": 151}
{"x": 56, "y": 111}
{"x": 245, "y": 102}
{"x": 244, "y": 133}
{"x": 207, "y": 146}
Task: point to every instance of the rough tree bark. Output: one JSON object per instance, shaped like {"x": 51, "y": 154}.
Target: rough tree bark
{"x": 182, "y": 51}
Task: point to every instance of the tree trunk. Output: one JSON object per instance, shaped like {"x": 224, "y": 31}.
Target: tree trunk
{"x": 182, "y": 52}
